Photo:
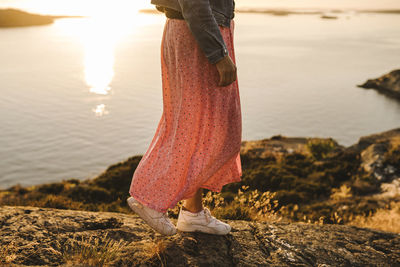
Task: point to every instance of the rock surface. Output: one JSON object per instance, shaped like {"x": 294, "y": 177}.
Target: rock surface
{"x": 379, "y": 154}
{"x": 42, "y": 236}
{"x": 388, "y": 84}
{"x": 278, "y": 146}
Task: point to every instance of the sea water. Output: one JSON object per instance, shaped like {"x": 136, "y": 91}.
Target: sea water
{"x": 81, "y": 94}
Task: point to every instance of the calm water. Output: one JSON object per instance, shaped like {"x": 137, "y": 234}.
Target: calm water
{"x": 78, "y": 95}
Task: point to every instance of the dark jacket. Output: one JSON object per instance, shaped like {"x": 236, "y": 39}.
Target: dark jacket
{"x": 203, "y": 18}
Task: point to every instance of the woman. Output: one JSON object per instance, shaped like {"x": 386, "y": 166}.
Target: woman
{"x": 197, "y": 141}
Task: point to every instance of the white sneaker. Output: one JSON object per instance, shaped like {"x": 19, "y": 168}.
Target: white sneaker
{"x": 202, "y": 221}
{"x": 157, "y": 220}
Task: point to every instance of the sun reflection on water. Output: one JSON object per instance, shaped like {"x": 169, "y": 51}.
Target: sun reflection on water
{"x": 100, "y": 110}
{"x": 99, "y": 60}
{"x": 99, "y": 42}
{"x": 99, "y": 33}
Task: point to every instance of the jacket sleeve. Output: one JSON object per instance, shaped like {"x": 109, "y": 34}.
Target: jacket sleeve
{"x": 198, "y": 15}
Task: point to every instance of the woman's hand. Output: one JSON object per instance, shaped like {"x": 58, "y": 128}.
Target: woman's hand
{"x": 227, "y": 71}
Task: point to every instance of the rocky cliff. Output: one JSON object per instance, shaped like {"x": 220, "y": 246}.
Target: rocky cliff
{"x": 299, "y": 178}
{"x": 388, "y": 84}
{"x": 45, "y": 236}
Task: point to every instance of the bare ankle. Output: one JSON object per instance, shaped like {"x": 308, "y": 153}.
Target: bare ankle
{"x": 192, "y": 210}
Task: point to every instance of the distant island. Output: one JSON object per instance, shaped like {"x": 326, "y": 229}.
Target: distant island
{"x": 19, "y": 18}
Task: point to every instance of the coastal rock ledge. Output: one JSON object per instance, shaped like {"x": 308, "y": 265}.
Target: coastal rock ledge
{"x": 388, "y": 84}
{"x": 44, "y": 236}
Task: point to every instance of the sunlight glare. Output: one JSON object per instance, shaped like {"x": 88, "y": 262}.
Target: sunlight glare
{"x": 100, "y": 110}
{"x": 108, "y": 23}
{"x": 113, "y": 8}
{"x": 99, "y": 65}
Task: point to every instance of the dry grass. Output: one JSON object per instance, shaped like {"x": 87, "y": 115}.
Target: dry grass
{"x": 340, "y": 193}
{"x": 154, "y": 250}
{"x": 246, "y": 205}
{"x": 262, "y": 206}
{"x": 7, "y": 254}
{"x": 92, "y": 251}
{"x": 387, "y": 219}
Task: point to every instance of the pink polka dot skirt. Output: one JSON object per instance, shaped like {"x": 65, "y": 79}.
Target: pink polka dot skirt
{"x": 197, "y": 140}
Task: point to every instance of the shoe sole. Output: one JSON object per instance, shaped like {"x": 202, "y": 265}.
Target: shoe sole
{"x": 139, "y": 210}
{"x": 185, "y": 227}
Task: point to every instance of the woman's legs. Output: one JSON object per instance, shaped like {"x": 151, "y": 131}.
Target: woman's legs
{"x": 194, "y": 204}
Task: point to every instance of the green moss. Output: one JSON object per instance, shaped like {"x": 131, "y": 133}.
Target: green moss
{"x": 392, "y": 157}
{"x": 232, "y": 212}
{"x": 365, "y": 185}
{"x": 89, "y": 194}
{"x": 18, "y": 189}
{"x": 73, "y": 181}
{"x": 321, "y": 148}
{"x": 52, "y": 188}
{"x": 290, "y": 197}
{"x": 117, "y": 178}
{"x": 57, "y": 202}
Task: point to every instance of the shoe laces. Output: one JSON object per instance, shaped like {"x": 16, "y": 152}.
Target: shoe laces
{"x": 165, "y": 217}
{"x": 208, "y": 215}
{"x": 162, "y": 215}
